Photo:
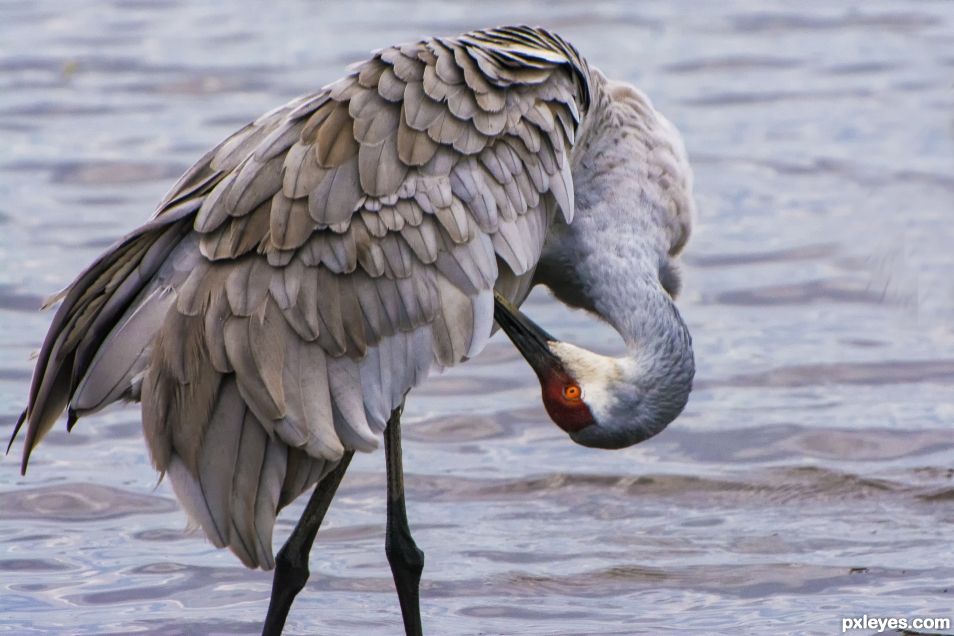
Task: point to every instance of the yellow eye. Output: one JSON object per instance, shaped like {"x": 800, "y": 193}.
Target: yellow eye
{"x": 572, "y": 392}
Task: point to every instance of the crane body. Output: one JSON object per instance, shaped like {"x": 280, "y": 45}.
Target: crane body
{"x": 309, "y": 271}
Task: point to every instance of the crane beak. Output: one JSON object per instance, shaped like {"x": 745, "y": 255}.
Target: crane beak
{"x": 534, "y": 344}
{"x": 529, "y": 337}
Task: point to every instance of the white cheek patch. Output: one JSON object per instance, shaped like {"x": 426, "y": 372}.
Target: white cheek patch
{"x": 597, "y": 375}
{"x": 598, "y": 398}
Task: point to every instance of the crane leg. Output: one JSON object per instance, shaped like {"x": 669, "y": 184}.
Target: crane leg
{"x": 406, "y": 560}
{"x": 291, "y": 563}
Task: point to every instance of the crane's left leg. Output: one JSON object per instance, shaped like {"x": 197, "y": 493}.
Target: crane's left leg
{"x": 291, "y": 564}
{"x": 407, "y": 561}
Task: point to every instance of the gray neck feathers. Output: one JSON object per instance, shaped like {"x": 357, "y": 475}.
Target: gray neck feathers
{"x": 633, "y": 212}
{"x": 617, "y": 270}
{"x": 621, "y": 285}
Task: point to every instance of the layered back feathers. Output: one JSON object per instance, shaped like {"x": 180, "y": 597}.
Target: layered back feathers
{"x": 312, "y": 268}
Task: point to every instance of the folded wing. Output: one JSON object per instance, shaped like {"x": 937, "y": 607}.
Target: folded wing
{"x": 315, "y": 266}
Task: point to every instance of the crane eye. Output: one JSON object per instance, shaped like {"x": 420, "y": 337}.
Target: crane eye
{"x": 572, "y": 392}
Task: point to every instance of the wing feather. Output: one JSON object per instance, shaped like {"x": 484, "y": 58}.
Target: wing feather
{"x": 351, "y": 423}
{"x": 250, "y": 457}
{"x": 308, "y": 422}
{"x": 266, "y": 501}
{"x": 218, "y": 457}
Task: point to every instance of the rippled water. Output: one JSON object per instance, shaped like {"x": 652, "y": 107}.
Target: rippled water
{"x": 810, "y": 478}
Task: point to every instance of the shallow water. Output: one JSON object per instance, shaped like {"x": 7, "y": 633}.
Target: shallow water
{"x": 811, "y": 477}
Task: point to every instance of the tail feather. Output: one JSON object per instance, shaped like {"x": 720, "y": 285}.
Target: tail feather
{"x": 122, "y": 354}
{"x": 91, "y": 308}
{"x": 16, "y": 430}
{"x": 121, "y": 293}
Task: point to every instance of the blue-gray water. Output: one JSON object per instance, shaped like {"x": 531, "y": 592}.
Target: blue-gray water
{"x": 810, "y": 478}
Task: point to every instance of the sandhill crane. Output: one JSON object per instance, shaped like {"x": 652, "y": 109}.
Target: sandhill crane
{"x": 314, "y": 267}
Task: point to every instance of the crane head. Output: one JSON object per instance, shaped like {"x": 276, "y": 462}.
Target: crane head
{"x": 599, "y": 401}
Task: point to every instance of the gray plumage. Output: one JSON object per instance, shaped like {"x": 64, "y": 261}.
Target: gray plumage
{"x": 309, "y": 271}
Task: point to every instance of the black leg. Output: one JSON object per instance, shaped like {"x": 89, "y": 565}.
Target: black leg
{"x": 291, "y": 564}
{"x": 406, "y": 560}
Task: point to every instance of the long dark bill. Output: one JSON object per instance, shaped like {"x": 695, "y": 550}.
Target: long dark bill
{"x": 529, "y": 337}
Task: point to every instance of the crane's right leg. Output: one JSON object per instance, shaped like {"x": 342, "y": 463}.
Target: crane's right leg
{"x": 291, "y": 564}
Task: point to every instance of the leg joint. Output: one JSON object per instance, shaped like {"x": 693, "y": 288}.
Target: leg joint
{"x": 291, "y": 570}
{"x": 403, "y": 553}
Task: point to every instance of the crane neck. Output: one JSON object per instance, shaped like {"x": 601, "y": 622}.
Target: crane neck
{"x": 618, "y": 271}
{"x": 633, "y": 213}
